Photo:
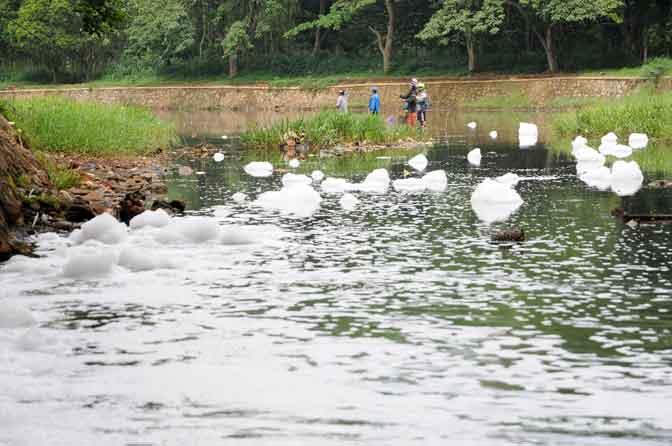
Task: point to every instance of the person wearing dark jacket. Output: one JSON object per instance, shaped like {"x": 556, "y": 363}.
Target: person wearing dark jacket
{"x": 411, "y": 103}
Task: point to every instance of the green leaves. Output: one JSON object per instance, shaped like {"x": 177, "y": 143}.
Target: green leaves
{"x": 464, "y": 16}
{"x": 237, "y": 40}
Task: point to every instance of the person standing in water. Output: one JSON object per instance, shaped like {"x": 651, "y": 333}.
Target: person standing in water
{"x": 422, "y": 104}
{"x": 374, "y": 102}
{"x": 342, "y": 102}
{"x": 411, "y": 102}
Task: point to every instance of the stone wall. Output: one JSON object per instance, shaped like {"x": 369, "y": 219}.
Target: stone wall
{"x": 444, "y": 93}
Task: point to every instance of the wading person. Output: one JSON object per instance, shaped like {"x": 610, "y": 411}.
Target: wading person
{"x": 422, "y": 104}
{"x": 342, "y": 102}
{"x": 374, "y": 102}
{"x": 411, "y": 102}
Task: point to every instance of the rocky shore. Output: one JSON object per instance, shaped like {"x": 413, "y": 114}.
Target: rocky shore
{"x": 30, "y": 203}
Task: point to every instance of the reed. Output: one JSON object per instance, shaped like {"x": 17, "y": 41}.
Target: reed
{"x": 54, "y": 124}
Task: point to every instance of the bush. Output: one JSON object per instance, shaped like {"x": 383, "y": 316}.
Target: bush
{"x": 328, "y": 129}
{"x": 62, "y": 125}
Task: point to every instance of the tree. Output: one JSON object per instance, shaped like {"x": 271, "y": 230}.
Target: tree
{"x": 545, "y": 17}
{"x": 48, "y": 30}
{"x": 235, "y": 42}
{"x": 468, "y": 19}
{"x": 159, "y": 33}
{"x": 343, "y": 12}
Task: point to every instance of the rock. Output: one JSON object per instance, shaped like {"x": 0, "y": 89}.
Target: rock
{"x": 79, "y": 211}
{"x": 133, "y": 204}
{"x": 509, "y": 235}
{"x": 661, "y": 184}
{"x": 172, "y": 207}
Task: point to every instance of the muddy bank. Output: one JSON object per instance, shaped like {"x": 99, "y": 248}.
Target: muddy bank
{"x": 30, "y": 203}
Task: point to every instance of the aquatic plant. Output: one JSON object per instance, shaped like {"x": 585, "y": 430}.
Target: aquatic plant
{"x": 329, "y": 128}
{"x": 55, "y": 124}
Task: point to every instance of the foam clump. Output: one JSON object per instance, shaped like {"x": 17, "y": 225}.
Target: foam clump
{"x": 494, "y": 201}
{"x": 348, "y": 202}
{"x": 239, "y": 197}
{"x": 317, "y": 175}
{"x": 472, "y": 125}
{"x": 474, "y": 157}
{"x": 578, "y": 143}
{"x": 190, "y": 230}
{"x": 218, "y": 157}
{"x": 638, "y": 140}
{"x": 620, "y": 151}
{"x": 103, "y": 228}
{"x": 259, "y": 169}
{"x": 299, "y": 199}
{"x": 294, "y": 164}
{"x": 509, "y": 178}
{"x": 587, "y": 154}
{"x": 15, "y": 316}
{"x": 156, "y": 219}
{"x": 378, "y": 181}
{"x": 436, "y": 181}
{"x": 137, "y": 259}
{"x": 85, "y": 265}
{"x": 599, "y": 178}
{"x": 626, "y": 177}
{"x": 610, "y": 139}
{"x": 334, "y": 185}
{"x": 409, "y": 185}
{"x": 235, "y": 235}
{"x": 528, "y": 135}
{"x": 493, "y": 134}
{"x": 290, "y": 178}
{"x": 419, "y": 162}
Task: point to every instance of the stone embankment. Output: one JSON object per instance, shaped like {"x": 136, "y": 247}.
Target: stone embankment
{"x": 444, "y": 92}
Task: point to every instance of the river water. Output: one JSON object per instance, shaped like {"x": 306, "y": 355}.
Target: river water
{"x": 396, "y": 323}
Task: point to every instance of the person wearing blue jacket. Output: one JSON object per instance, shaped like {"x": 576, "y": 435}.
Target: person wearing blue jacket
{"x": 374, "y": 102}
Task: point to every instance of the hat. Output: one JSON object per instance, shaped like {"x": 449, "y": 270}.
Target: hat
{"x": 374, "y": 89}
{"x": 421, "y": 85}
{"x": 414, "y": 82}
{"x": 341, "y": 92}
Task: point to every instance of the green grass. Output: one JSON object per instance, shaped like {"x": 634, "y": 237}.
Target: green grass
{"x": 572, "y": 102}
{"x": 61, "y": 177}
{"x": 329, "y": 128}
{"x": 54, "y": 124}
{"x": 513, "y": 100}
{"x": 655, "y": 68}
{"x": 647, "y": 111}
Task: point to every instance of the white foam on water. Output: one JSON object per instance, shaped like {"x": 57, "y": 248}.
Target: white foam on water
{"x": 218, "y": 157}
{"x": 587, "y": 154}
{"x": 578, "y": 143}
{"x": 290, "y": 178}
{"x": 90, "y": 264}
{"x": 137, "y": 258}
{"x": 237, "y": 235}
{"x": 334, "y": 185}
{"x": 472, "y": 125}
{"x": 493, "y": 134}
{"x": 409, "y": 185}
{"x": 626, "y": 177}
{"x": 157, "y": 219}
{"x": 294, "y": 164}
{"x": 259, "y": 169}
{"x": 638, "y": 140}
{"x": 474, "y": 157}
{"x": 599, "y": 178}
{"x": 317, "y": 175}
{"x": 103, "y": 228}
{"x": 509, "y": 178}
{"x": 15, "y": 316}
{"x": 528, "y": 135}
{"x": 377, "y": 182}
{"x": 610, "y": 139}
{"x": 348, "y": 202}
{"x": 419, "y": 162}
{"x": 493, "y": 201}
{"x": 239, "y": 197}
{"x": 436, "y": 180}
{"x": 299, "y": 200}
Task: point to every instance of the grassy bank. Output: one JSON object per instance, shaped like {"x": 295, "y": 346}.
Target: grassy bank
{"x": 648, "y": 112}
{"x": 329, "y": 128}
{"x": 53, "y": 124}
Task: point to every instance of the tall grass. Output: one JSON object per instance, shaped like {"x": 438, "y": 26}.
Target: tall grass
{"x": 329, "y": 128}
{"x": 55, "y": 124}
{"x": 648, "y": 111}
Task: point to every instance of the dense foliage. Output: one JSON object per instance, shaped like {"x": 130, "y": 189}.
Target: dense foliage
{"x": 75, "y": 40}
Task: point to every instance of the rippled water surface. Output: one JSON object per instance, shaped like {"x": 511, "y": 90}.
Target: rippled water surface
{"x": 396, "y": 323}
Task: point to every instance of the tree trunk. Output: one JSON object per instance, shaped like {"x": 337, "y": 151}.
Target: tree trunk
{"x": 318, "y": 37}
{"x": 233, "y": 65}
{"x": 547, "y": 42}
{"x": 471, "y": 52}
{"x": 389, "y": 38}
{"x": 645, "y": 46}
